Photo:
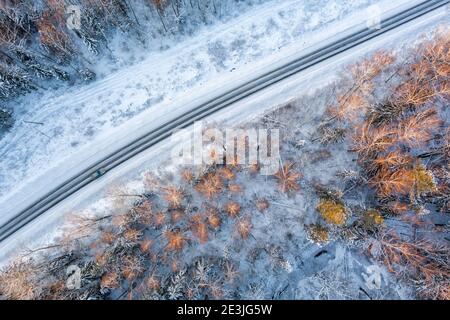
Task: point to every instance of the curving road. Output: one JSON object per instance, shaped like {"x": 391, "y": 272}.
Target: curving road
{"x": 112, "y": 160}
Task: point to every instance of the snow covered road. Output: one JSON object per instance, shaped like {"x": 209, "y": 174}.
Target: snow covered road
{"x": 78, "y": 123}
{"x": 279, "y": 93}
{"x": 160, "y": 131}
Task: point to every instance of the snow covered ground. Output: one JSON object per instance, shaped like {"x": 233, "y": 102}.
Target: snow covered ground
{"x": 59, "y": 131}
{"x": 278, "y": 94}
{"x": 296, "y": 268}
